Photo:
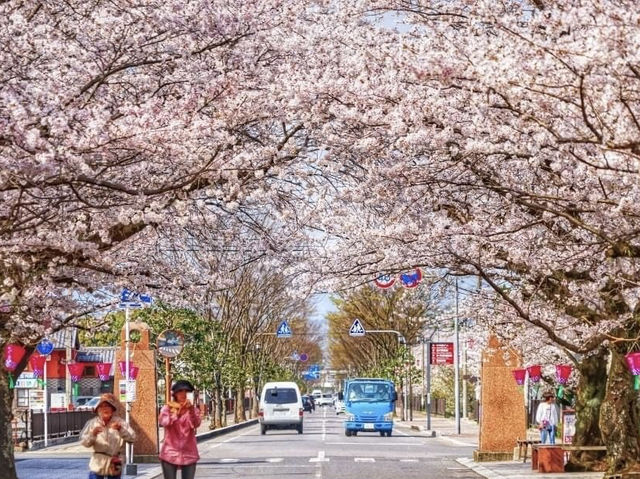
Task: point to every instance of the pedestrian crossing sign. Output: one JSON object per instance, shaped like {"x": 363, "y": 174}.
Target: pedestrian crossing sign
{"x": 356, "y": 329}
{"x": 284, "y": 331}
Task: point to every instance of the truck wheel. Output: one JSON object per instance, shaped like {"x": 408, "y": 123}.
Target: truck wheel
{"x": 354, "y": 433}
{"x": 347, "y": 432}
{"x": 300, "y": 429}
{"x": 381, "y": 433}
{"x": 263, "y": 429}
{"x": 388, "y": 433}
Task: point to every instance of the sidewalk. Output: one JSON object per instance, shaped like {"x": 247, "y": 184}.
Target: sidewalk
{"x": 446, "y": 428}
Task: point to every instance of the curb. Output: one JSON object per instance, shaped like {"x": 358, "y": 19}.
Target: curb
{"x": 483, "y": 471}
{"x": 431, "y": 433}
{"x": 223, "y": 430}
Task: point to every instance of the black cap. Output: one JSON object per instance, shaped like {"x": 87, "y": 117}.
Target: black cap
{"x": 182, "y": 385}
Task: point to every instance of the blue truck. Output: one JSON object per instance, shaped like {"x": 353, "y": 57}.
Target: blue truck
{"x": 368, "y": 405}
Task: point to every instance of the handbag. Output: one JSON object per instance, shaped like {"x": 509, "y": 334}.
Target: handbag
{"x": 115, "y": 466}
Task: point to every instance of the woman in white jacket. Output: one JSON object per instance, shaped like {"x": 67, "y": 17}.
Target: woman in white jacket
{"x": 106, "y": 434}
{"x": 547, "y": 418}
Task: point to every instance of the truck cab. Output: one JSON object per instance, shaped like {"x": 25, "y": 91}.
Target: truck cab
{"x": 368, "y": 406}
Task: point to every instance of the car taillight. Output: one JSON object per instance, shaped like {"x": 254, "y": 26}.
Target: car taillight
{"x": 301, "y": 412}
{"x": 261, "y": 413}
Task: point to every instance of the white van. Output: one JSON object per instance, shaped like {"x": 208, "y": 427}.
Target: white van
{"x": 280, "y": 407}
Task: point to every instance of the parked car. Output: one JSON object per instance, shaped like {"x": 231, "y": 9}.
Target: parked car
{"x": 280, "y": 407}
{"x": 80, "y": 401}
{"x": 307, "y": 405}
{"x": 89, "y": 405}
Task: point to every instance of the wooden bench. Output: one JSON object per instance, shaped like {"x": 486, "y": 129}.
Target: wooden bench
{"x": 525, "y": 443}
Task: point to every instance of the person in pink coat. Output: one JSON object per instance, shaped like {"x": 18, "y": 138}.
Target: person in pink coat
{"x": 180, "y": 420}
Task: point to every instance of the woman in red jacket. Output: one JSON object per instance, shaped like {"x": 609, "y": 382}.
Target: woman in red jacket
{"x": 180, "y": 420}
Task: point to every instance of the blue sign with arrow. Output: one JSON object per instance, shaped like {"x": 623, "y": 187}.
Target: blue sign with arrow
{"x": 284, "y": 331}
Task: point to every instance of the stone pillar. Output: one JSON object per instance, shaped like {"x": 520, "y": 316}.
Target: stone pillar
{"x": 503, "y": 420}
{"x": 144, "y": 413}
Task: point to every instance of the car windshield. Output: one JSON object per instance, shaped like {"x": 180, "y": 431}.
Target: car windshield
{"x": 369, "y": 392}
{"x": 280, "y": 396}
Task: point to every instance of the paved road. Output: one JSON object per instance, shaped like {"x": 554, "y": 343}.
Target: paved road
{"x": 322, "y": 452}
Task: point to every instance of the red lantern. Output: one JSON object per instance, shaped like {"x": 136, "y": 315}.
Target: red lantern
{"x": 563, "y": 371}
{"x": 76, "y": 370}
{"x": 535, "y": 373}
{"x": 37, "y": 364}
{"x": 519, "y": 375}
{"x": 133, "y": 370}
{"x": 633, "y": 362}
{"x": 13, "y": 354}
{"x": 104, "y": 370}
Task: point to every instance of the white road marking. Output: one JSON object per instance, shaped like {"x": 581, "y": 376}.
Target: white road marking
{"x": 320, "y": 458}
{"x": 364, "y": 459}
{"x": 382, "y": 443}
{"x": 228, "y": 460}
{"x": 409, "y": 460}
{"x": 324, "y": 426}
{"x": 458, "y": 443}
{"x": 275, "y": 459}
{"x": 213, "y": 446}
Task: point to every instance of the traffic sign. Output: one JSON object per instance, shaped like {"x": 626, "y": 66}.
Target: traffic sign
{"x": 384, "y": 281}
{"x": 284, "y": 331}
{"x": 131, "y": 299}
{"x": 357, "y": 329}
{"x": 412, "y": 279}
{"x": 170, "y": 343}
{"x": 45, "y": 347}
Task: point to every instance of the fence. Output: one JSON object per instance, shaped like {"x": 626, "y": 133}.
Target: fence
{"x": 60, "y": 424}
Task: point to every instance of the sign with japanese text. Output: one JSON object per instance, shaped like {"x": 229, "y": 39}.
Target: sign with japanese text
{"x": 441, "y": 353}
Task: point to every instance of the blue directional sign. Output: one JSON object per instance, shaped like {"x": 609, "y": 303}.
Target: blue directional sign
{"x": 131, "y": 299}
{"x": 284, "y": 331}
{"x": 357, "y": 329}
{"x": 45, "y": 347}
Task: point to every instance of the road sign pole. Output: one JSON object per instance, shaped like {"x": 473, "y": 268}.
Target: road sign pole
{"x": 46, "y": 406}
{"x": 127, "y": 402}
{"x": 428, "y": 384}
{"x": 456, "y": 364}
{"x": 167, "y": 381}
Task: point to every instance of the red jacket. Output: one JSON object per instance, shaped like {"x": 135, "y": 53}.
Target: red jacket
{"x": 179, "y": 446}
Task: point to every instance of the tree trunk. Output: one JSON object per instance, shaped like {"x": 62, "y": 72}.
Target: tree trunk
{"x": 240, "y": 412}
{"x": 256, "y": 402}
{"x": 620, "y": 417}
{"x": 215, "y": 410}
{"x": 589, "y": 397}
{"x": 7, "y": 460}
